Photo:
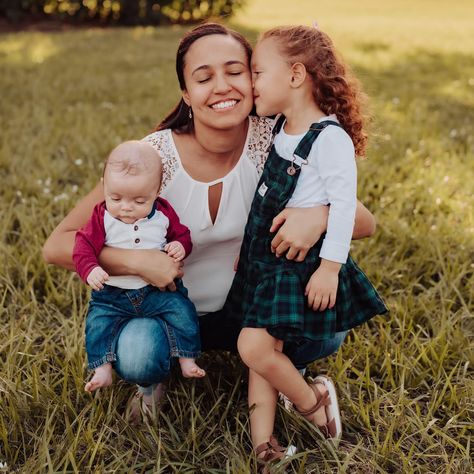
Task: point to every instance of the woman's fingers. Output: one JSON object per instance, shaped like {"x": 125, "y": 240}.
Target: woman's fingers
{"x": 278, "y": 221}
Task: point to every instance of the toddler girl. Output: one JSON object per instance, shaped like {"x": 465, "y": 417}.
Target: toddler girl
{"x": 296, "y": 74}
{"x": 133, "y": 216}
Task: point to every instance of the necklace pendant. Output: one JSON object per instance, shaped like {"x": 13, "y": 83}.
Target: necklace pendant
{"x": 291, "y": 170}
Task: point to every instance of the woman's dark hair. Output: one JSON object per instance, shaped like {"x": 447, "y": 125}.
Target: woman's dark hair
{"x": 178, "y": 119}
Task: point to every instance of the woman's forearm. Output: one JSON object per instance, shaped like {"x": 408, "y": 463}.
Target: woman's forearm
{"x": 57, "y": 249}
{"x": 59, "y": 246}
{"x": 365, "y": 224}
{"x": 117, "y": 261}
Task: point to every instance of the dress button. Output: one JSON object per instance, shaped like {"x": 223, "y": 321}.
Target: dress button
{"x": 137, "y": 241}
{"x": 135, "y": 228}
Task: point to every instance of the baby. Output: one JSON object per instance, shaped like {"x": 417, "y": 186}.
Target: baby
{"x": 134, "y": 217}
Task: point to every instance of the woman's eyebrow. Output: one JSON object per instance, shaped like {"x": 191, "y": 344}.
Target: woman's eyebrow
{"x": 227, "y": 63}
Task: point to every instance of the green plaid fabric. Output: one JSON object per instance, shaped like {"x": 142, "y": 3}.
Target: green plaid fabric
{"x": 268, "y": 291}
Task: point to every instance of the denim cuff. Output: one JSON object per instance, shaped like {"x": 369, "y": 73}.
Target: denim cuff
{"x": 185, "y": 354}
{"x": 110, "y": 357}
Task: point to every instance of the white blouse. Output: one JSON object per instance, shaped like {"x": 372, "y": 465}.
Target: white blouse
{"x": 208, "y": 271}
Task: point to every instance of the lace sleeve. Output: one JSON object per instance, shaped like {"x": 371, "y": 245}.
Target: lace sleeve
{"x": 260, "y": 140}
{"x": 162, "y": 142}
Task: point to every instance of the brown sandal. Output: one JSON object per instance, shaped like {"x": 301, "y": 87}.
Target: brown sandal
{"x": 137, "y": 410}
{"x": 273, "y": 453}
{"x": 332, "y": 429}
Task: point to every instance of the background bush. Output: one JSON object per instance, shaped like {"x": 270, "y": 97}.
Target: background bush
{"x": 123, "y": 12}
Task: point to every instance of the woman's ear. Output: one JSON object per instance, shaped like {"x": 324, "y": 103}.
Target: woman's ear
{"x": 185, "y": 96}
{"x": 298, "y": 74}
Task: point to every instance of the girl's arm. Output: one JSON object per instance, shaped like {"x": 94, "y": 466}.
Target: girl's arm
{"x": 153, "y": 266}
{"x": 300, "y": 228}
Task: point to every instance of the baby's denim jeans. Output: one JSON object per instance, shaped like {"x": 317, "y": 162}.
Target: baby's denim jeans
{"x": 112, "y": 308}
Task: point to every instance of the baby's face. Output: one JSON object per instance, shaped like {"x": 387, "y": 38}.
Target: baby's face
{"x": 130, "y": 197}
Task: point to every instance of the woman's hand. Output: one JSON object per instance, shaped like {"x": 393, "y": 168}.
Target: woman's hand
{"x": 298, "y": 230}
{"x": 154, "y": 266}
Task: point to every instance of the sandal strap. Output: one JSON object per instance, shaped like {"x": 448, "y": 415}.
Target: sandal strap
{"x": 321, "y": 400}
{"x": 273, "y": 448}
{"x": 329, "y": 429}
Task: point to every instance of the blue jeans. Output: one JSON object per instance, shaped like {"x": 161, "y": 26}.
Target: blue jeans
{"x": 143, "y": 348}
{"x": 112, "y": 309}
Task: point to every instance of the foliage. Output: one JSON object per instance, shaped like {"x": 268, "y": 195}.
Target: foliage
{"x": 124, "y": 12}
{"x": 405, "y": 383}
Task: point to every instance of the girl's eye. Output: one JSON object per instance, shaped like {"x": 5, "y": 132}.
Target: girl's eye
{"x": 203, "y": 81}
{"x": 140, "y": 202}
{"x": 235, "y": 73}
{"x": 115, "y": 199}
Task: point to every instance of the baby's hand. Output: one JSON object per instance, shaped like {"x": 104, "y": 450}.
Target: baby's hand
{"x": 321, "y": 289}
{"x": 175, "y": 250}
{"x": 97, "y": 277}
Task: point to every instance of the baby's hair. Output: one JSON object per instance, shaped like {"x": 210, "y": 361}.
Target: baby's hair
{"x": 335, "y": 89}
{"x": 133, "y": 158}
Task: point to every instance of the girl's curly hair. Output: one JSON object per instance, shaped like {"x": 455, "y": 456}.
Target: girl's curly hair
{"x": 335, "y": 89}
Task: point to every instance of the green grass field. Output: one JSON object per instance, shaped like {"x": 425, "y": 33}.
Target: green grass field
{"x": 405, "y": 382}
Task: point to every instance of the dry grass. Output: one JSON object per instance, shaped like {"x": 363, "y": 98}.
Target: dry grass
{"x": 405, "y": 383}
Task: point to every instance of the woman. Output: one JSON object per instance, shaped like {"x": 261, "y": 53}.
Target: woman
{"x": 212, "y": 153}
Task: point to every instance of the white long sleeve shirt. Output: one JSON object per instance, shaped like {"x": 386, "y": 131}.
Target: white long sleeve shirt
{"x": 330, "y": 177}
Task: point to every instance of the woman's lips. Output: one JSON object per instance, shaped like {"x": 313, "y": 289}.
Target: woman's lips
{"x": 224, "y": 104}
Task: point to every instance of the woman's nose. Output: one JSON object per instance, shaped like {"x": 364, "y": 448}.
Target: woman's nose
{"x": 222, "y": 84}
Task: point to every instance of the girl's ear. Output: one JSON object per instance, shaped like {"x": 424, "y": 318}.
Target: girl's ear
{"x": 298, "y": 74}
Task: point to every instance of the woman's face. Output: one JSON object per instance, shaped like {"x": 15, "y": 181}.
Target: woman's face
{"x": 218, "y": 82}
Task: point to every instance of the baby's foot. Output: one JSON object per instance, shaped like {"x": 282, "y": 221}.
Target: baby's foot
{"x": 102, "y": 378}
{"x": 189, "y": 368}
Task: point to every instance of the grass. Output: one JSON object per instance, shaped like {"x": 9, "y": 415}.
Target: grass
{"x": 405, "y": 382}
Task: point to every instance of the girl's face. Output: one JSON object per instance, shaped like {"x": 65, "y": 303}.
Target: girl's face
{"x": 218, "y": 82}
{"x": 271, "y": 77}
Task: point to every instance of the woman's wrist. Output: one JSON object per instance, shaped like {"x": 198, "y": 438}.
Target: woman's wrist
{"x": 121, "y": 261}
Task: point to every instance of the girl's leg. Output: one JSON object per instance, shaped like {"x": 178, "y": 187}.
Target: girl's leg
{"x": 257, "y": 349}
{"x": 262, "y": 403}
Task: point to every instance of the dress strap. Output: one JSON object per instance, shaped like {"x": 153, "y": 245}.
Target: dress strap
{"x": 278, "y": 124}
{"x": 304, "y": 146}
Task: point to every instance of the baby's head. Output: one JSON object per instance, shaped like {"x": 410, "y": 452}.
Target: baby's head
{"x": 132, "y": 180}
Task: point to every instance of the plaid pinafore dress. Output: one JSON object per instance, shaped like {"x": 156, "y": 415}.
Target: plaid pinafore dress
{"x": 268, "y": 292}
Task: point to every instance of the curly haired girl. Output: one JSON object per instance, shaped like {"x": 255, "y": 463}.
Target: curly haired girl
{"x": 296, "y": 73}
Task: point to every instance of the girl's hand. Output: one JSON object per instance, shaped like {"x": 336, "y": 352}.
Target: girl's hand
{"x": 175, "y": 250}
{"x": 321, "y": 289}
{"x": 298, "y": 230}
{"x": 96, "y": 278}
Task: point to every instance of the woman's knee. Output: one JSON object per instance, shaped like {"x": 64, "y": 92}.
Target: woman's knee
{"x": 143, "y": 352}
